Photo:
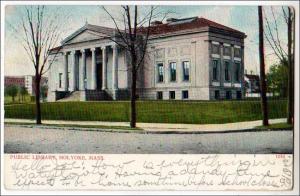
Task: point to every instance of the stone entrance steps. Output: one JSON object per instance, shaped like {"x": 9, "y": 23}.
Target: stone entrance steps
{"x": 97, "y": 95}
{"x": 93, "y": 95}
{"x": 73, "y": 96}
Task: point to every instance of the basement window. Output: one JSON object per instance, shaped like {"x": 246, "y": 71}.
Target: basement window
{"x": 172, "y": 94}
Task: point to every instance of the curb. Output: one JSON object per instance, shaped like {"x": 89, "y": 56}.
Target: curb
{"x": 108, "y": 130}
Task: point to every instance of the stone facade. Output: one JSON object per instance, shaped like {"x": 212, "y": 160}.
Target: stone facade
{"x": 178, "y": 64}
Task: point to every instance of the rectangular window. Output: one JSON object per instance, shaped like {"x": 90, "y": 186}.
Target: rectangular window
{"x": 227, "y": 71}
{"x": 227, "y": 51}
{"x": 185, "y": 94}
{"x": 237, "y": 72}
{"x": 228, "y": 94}
{"x": 186, "y": 70}
{"x": 237, "y": 52}
{"x": 173, "y": 71}
{"x": 215, "y": 48}
{"x": 172, "y": 94}
{"x": 160, "y": 68}
{"x": 217, "y": 94}
{"x": 159, "y": 95}
{"x": 215, "y": 69}
{"x": 238, "y": 95}
{"x": 60, "y": 80}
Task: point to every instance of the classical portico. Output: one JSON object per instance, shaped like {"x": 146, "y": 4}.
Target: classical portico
{"x": 89, "y": 66}
{"x": 76, "y": 75}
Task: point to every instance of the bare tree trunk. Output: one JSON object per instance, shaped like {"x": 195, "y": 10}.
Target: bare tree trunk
{"x": 290, "y": 106}
{"x": 134, "y": 40}
{"x": 37, "y": 99}
{"x": 133, "y": 94}
{"x": 264, "y": 104}
{"x": 41, "y": 31}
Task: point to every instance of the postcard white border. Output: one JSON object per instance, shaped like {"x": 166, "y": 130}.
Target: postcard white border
{"x": 295, "y": 4}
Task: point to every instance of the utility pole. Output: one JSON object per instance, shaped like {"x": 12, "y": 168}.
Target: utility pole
{"x": 264, "y": 104}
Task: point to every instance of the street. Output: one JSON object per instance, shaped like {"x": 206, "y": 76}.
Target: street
{"x": 20, "y": 139}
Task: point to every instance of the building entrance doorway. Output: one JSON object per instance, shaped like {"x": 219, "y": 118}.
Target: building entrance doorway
{"x": 99, "y": 75}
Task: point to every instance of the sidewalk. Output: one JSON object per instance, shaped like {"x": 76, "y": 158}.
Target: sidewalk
{"x": 163, "y": 127}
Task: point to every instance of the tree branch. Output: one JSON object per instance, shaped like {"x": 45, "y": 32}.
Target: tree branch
{"x": 272, "y": 41}
{"x": 146, "y": 39}
{"x": 115, "y": 23}
{"x": 277, "y": 34}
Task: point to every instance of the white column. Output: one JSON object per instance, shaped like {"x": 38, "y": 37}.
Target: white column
{"x": 104, "y": 72}
{"x": 93, "y": 76}
{"x": 82, "y": 70}
{"x": 115, "y": 67}
{"x": 66, "y": 71}
{"x": 73, "y": 73}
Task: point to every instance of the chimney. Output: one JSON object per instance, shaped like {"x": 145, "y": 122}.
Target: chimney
{"x": 155, "y": 23}
{"x": 171, "y": 20}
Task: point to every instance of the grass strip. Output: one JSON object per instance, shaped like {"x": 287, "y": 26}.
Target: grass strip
{"x": 78, "y": 126}
{"x": 276, "y": 126}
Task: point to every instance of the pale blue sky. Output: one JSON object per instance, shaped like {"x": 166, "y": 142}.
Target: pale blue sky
{"x": 243, "y": 18}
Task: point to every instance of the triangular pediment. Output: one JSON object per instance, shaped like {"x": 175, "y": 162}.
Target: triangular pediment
{"x": 84, "y": 36}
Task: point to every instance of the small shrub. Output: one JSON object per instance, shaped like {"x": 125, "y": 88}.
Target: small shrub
{"x": 32, "y": 98}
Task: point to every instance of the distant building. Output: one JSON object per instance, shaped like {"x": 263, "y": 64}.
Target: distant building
{"x": 252, "y": 85}
{"x": 14, "y": 80}
{"x": 24, "y": 81}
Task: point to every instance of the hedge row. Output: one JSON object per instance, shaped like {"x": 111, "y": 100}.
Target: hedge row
{"x": 197, "y": 112}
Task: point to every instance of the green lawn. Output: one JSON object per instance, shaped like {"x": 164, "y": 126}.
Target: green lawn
{"x": 196, "y": 112}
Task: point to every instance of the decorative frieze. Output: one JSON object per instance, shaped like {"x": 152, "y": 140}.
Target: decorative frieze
{"x": 160, "y": 53}
{"x": 185, "y": 50}
{"x": 172, "y": 52}
{"x": 215, "y": 48}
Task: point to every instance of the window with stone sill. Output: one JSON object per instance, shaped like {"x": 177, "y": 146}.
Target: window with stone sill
{"x": 172, "y": 71}
{"x": 160, "y": 72}
{"x": 186, "y": 70}
{"x": 227, "y": 51}
{"x": 215, "y": 69}
{"x": 237, "y": 52}
{"x": 237, "y": 72}
{"x": 227, "y": 71}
